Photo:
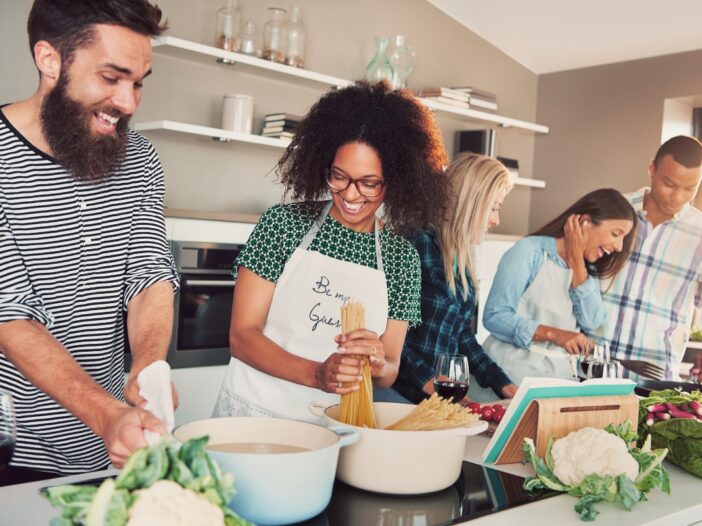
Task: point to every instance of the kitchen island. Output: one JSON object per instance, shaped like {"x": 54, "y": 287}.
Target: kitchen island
{"x": 22, "y": 505}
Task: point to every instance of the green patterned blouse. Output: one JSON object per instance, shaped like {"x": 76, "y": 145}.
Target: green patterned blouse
{"x": 282, "y": 227}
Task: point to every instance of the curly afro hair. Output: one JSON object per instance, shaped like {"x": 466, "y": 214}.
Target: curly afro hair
{"x": 397, "y": 126}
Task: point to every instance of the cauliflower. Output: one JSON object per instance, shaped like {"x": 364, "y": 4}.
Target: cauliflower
{"x": 588, "y": 451}
{"x": 167, "y": 503}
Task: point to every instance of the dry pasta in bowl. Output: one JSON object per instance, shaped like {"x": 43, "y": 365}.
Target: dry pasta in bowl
{"x": 434, "y": 413}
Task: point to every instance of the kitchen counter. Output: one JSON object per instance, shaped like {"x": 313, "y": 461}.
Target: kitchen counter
{"x": 22, "y": 504}
{"x": 682, "y": 507}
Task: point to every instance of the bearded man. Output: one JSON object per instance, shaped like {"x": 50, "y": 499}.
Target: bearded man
{"x": 82, "y": 240}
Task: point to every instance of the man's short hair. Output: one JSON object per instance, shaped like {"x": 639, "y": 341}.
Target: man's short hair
{"x": 68, "y": 24}
{"x": 685, "y": 150}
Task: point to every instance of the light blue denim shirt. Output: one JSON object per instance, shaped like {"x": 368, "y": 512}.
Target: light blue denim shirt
{"x": 517, "y": 269}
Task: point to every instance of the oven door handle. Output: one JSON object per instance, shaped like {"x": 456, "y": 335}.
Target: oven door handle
{"x": 210, "y": 282}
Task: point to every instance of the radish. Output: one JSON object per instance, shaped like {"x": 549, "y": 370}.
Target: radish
{"x": 661, "y": 416}
{"x": 650, "y": 420}
{"x": 657, "y": 408}
{"x": 677, "y": 413}
{"x": 696, "y": 407}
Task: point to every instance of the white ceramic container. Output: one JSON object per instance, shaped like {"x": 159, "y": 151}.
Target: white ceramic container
{"x": 275, "y": 488}
{"x": 400, "y": 462}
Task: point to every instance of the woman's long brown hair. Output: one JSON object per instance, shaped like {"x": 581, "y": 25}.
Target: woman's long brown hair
{"x": 600, "y": 205}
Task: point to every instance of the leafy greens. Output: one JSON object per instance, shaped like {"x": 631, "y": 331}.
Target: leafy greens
{"x": 188, "y": 465}
{"x": 682, "y": 436}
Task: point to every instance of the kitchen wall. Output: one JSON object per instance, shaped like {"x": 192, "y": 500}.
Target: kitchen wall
{"x": 229, "y": 177}
{"x": 606, "y": 125}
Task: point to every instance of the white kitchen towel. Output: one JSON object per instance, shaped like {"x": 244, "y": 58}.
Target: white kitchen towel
{"x": 155, "y": 387}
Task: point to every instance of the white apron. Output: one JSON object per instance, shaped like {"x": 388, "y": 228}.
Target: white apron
{"x": 547, "y": 301}
{"x": 304, "y": 318}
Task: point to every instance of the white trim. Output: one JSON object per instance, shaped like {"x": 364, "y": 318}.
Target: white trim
{"x": 181, "y": 48}
{"x": 215, "y": 133}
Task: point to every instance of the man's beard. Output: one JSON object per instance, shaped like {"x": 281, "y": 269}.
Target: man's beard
{"x": 66, "y": 126}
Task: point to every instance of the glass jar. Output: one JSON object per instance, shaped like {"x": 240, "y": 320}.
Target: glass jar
{"x": 228, "y": 32}
{"x": 401, "y": 58}
{"x": 295, "y": 53}
{"x": 379, "y": 67}
{"x": 248, "y": 40}
{"x": 274, "y": 35}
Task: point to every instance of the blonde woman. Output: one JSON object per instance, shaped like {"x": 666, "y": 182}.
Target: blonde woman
{"x": 447, "y": 253}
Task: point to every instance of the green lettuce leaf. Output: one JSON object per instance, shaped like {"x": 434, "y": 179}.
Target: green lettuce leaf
{"x": 547, "y": 478}
{"x": 683, "y": 438}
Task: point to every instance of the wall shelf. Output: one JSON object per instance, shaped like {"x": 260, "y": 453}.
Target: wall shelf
{"x": 186, "y": 49}
{"x": 214, "y": 133}
{"x": 225, "y": 136}
{"x": 532, "y": 183}
{"x": 484, "y": 117}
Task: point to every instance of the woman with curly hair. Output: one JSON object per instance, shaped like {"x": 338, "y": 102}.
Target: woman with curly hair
{"x": 365, "y": 146}
{"x": 546, "y": 296}
{"x": 447, "y": 254}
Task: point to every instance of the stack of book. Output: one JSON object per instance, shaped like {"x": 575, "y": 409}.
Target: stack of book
{"x": 479, "y": 99}
{"x": 461, "y": 97}
{"x": 444, "y": 95}
{"x": 280, "y": 125}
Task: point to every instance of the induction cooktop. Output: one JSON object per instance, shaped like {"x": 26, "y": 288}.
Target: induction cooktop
{"x": 479, "y": 491}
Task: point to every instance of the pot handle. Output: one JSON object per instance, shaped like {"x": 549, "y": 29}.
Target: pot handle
{"x": 318, "y": 408}
{"x": 347, "y": 435}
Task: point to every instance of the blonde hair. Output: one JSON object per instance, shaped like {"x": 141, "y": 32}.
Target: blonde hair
{"x": 475, "y": 182}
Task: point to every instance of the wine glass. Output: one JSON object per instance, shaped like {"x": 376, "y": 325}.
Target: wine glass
{"x": 451, "y": 376}
{"x": 602, "y": 369}
{"x": 598, "y": 354}
{"x": 7, "y": 428}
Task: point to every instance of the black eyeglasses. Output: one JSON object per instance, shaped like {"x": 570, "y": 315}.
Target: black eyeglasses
{"x": 339, "y": 182}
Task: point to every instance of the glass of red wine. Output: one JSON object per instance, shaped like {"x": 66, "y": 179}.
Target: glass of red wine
{"x": 7, "y": 428}
{"x": 599, "y": 353}
{"x": 451, "y": 376}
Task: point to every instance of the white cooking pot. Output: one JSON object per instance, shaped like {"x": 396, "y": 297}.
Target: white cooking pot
{"x": 399, "y": 462}
{"x": 275, "y": 488}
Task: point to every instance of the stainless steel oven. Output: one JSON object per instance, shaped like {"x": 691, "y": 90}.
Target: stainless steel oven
{"x": 204, "y": 304}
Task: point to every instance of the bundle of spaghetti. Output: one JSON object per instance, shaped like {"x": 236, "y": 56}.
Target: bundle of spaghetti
{"x": 357, "y": 406}
{"x": 434, "y": 413}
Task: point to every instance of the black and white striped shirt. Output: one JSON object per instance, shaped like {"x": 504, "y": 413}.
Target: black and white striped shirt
{"x": 72, "y": 256}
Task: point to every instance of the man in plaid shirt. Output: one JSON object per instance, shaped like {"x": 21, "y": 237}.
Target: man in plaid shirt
{"x": 650, "y": 302}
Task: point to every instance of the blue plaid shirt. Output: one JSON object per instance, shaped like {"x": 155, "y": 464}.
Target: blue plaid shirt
{"x": 446, "y": 327}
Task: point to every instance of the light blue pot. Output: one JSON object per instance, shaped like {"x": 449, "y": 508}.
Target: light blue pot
{"x": 276, "y": 488}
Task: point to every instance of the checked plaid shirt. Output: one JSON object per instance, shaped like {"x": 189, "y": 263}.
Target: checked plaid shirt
{"x": 650, "y": 302}
{"x": 446, "y": 327}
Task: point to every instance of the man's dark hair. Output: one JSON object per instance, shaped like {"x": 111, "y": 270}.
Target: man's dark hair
{"x": 397, "y": 126}
{"x": 69, "y": 24}
{"x": 685, "y": 150}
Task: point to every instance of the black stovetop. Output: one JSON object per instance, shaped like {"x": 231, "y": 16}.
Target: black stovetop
{"x": 479, "y": 491}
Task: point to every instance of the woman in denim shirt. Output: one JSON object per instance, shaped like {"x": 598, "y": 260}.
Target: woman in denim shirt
{"x": 545, "y": 296}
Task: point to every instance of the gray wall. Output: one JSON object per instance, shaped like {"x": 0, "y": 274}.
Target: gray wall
{"x": 605, "y": 126}
{"x": 208, "y": 176}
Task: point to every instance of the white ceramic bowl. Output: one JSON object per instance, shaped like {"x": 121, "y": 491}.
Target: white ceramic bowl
{"x": 400, "y": 462}
{"x": 275, "y": 488}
